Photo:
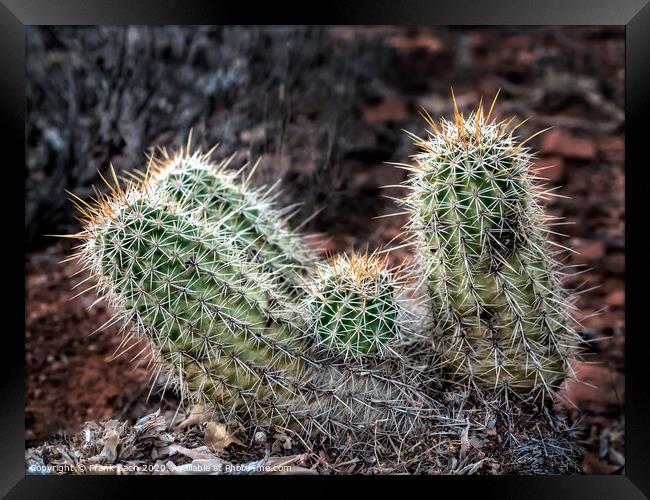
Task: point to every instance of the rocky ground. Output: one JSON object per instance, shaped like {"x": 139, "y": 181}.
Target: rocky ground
{"x": 324, "y": 109}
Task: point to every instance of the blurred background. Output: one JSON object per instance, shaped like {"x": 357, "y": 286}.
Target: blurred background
{"x": 323, "y": 108}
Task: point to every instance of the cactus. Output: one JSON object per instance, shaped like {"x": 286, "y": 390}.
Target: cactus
{"x": 353, "y": 307}
{"x": 248, "y": 213}
{"x": 226, "y": 332}
{"x": 503, "y": 316}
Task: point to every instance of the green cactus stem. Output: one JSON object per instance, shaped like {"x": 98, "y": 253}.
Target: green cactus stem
{"x": 503, "y": 317}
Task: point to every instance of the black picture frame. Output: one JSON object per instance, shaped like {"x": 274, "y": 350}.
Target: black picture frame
{"x": 15, "y": 15}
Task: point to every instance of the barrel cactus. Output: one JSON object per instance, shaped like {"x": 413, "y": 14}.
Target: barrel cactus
{"x": 226, "y": 332}
{"x": 217, "y": 193}
{"x": 353, "y": 305}
{"x": 503, "y": 317}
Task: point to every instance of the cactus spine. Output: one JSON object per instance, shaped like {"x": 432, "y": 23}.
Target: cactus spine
{"x": 217, "y": 320}
{"x": 216, "y": 193}
{"x": 502, "y": 313}
{"x": 352, "y": 305}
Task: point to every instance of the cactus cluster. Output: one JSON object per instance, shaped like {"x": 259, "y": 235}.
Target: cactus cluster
{"x": 243, "y": 316}
{"x": 353, "y": 305}
{"x": 502, "y": 315}
{"x": 225, "y": 330}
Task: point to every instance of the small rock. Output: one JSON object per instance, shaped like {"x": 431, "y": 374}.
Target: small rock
{"x": 616, "y": 298}
{"x": 613, "y": 148}
{"x": 388, "y": 110}
{"x": 594, "y": 320}
{"x": 615, "y": 263}
{"x": 613, "y": 284}
{"x": 551, "y": 168}
{"x": 615, "y": 242}
{"x": 593, "y": 465}
{"x": 562, "y": 143}
{"x": 392, "y": 232}
{"x": 597, "y": 389}
{"x": 254, "y": 135}
{"x": 590, "y": 252}
{"x": 260, "y": 437}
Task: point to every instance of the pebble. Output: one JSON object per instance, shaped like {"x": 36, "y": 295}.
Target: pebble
{"x": 616, "y": 298}
{"x": 559, "y": 142}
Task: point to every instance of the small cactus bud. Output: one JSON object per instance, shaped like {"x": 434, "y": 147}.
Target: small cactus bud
{"x": 352, "y": 305}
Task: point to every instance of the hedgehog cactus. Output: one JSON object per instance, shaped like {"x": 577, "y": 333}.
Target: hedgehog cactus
{"x": 227, "y": 334}
{"x": 502, "y": 314}
{"x": 353, "y": 307}
{"x": 248, "y": 213}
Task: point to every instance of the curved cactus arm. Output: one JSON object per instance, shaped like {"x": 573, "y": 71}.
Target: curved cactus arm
{"x": 218, "y": 193}
{"x": 225, "y": 330}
